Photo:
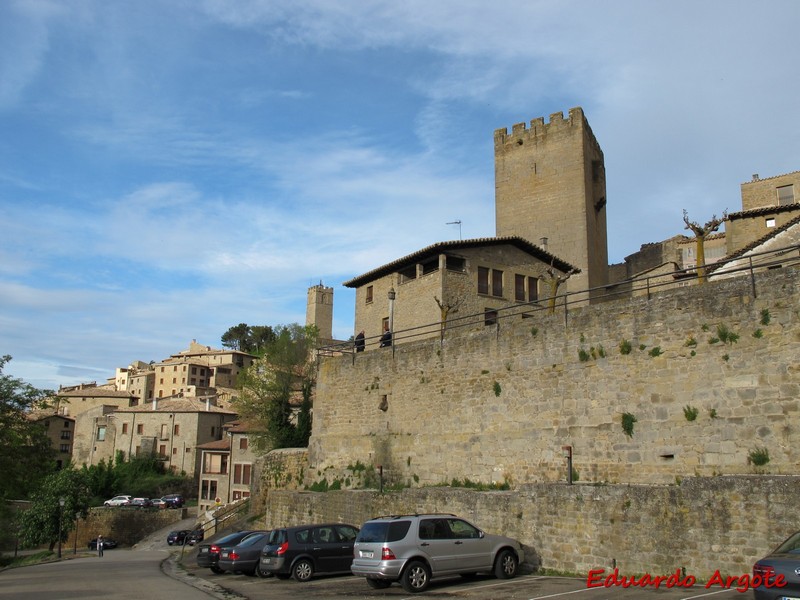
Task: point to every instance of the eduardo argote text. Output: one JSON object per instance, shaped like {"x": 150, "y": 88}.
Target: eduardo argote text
{"x": 742, "y": 583}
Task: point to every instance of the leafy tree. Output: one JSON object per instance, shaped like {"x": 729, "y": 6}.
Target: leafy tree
{"x": 245, "y": 338}
{"x": 25, "y": 452}
{"x": 40, "y": 523}
{"x": 269, "y": 385}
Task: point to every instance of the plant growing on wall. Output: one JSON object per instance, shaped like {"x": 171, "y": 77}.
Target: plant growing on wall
{"x": 497, "y": 388}
{"x": 625, "y": 347}
{"x": 758, "y": 457}
{"x": 690, "y": 412}
{"x": 725, "y": 335}
{"x": 655, "y": 351}
{"x": 627, "y": 423}
{"x": 765, "y": 316}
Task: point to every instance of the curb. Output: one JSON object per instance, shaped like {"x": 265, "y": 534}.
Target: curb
{"x": 171, "y": 567}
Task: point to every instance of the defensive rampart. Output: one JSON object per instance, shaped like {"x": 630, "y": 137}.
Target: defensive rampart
{"x": 705, "y": 379}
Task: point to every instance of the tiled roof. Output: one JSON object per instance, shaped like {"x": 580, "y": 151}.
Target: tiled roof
{"x": 223, "y": 444}
{"x": 753, "y": 245}
{"x": 186, "y": 405}
{"x": 764, "y": 210}
{"x": 439, "y": 247}
{"x": 94, "y": 392}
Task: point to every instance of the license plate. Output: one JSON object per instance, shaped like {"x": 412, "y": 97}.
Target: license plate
{"x": 788, "y": 598}
{"x": 203, "y": 550}
{"x": 266, "y": 561}
{"x": 224, "y": 555}
{"x": 367, "y": 554}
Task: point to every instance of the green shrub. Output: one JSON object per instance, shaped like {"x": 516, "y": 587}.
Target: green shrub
{"x": 497, "y": 388}
{"x": 765, "y": 316}
{"x": 758, "y": 457}
{"x": 655, "y": 351}
{"x": 624, "y": 347}
{"x": 627, "y": 423}
{"x": 690, "y": 412}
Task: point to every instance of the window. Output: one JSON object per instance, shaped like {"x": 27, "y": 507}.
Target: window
{"x": 165, "y": 432}
{"x": 162, "y": 450}
{"x": 213, "y": 431}
{"x": 243, "y": 444}
{"x": 64, "y": 448}
{"x": 455, "y": 263}
{"x": 174, "y": 451}
{"x": 176, "y": 430}
{"x": 215, "y": 463}
{"x": 533, "y": 289}
{"x": 65, "y": 435}
{"x": 408, "y": 273}
{"x": 497, "y": 283}
{"x": 483, "y": 280}
{"x": 785, "y": 195}
{"x": 124, "y": 428}
{"x": 140, "y": 429}
{"x": 208, "y": 489}
{"x": 369, "y": 294}
{"x": 489, "y": 316}
{"x": 66, "y": 424}
{"x": 194, "y": 370}
{"x": 519, "y": 287}
{"x": 770, "y": 222}
{"x": 241, "y": 474}
{"x": 430, "y": 266}
{"x": 488, "y": 276}
{"x": 101, "y": 434}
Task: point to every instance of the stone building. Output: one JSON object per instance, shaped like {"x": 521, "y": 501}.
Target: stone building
{"x": 171, "y": 428}
{"x": 550, "y": 189}
{"x": 420, "y": 294}
{"x": 73, "y": 401}
{"x": 61, "y": 431}
{"x": 226, "y": 472}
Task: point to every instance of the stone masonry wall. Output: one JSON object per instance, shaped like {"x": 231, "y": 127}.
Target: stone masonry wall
{"x": 702, "y": 525}
{"x": 497, "y": 405}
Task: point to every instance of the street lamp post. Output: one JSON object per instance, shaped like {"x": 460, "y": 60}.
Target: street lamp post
{"x": 392, "y": 296}
{"x": 61, "y": 502}
{"x": 75, "y": 549}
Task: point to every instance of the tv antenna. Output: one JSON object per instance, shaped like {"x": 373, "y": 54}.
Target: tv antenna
{"x": 459, "y": 226}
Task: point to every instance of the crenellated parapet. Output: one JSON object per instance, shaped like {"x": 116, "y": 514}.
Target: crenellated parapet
{"x": 538, "y": 129}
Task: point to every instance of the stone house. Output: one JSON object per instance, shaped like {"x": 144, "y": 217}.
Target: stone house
{"x": 172, "y": 428}
{"x": 226, "y": 472}
{"x": 442, "y": 282}
{"x": 61, "y": 431}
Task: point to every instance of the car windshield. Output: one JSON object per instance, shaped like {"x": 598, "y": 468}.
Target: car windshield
{"x": 233, "y": 537}
{"x": 790, "y": 546}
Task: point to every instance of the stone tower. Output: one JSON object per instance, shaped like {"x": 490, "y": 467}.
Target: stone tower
{"x": 319, "y": 310}
{"x": 550, "y": 188}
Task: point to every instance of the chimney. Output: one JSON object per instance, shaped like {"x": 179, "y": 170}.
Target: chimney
{"x": 755, "y": 177}
{"x": 155, "y": 403}
{"x": 208, "y": 404}
{"x": 543, "y": 243}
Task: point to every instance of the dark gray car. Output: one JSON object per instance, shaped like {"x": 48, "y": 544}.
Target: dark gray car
{"x": 783, "y": 563}
{"x": 303, "y": 551}
{"x": 208, "y": 552}
{"x": 245, "y": 556}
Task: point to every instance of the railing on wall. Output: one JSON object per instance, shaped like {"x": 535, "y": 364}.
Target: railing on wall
{"x": 642, "y": 286}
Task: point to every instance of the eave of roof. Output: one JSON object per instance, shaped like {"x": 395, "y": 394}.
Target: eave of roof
{"x": 222, "y": 445}
{"x": 439, "y": 247}
{"x": 753, "y": 245}
{"x": 763, "y": 210}
{"x": 185, "y": 405}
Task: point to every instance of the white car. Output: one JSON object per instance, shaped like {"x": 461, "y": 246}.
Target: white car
{"x": 118, "y": 501}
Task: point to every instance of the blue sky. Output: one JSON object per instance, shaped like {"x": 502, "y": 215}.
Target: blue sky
{"x": 170, "y": 168}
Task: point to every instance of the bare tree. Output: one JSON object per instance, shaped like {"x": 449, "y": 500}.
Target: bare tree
{"x": 554, "y": 281}
{"x": 701, "y": 232}
{"x": 445, "y": 309}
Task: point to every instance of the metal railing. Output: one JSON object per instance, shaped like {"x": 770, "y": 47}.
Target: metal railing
{"x": 641, "y": 286}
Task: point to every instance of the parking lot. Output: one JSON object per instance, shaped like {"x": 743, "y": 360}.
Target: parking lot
{"x": 525, "y": 587}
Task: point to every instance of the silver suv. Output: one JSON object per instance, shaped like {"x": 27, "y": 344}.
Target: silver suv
{"x": 413, "y": 549}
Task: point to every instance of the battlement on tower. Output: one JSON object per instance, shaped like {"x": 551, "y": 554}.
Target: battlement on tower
{"x": 521, "y": 133}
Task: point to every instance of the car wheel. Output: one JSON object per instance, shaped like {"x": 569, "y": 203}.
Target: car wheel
{"x": 261, "y": 572}
{"x": 217, "y": 570}
{"x": 378, "y": 584}
{"x": 416, "y": 577}
{"x": 506, "y": 564}
{"x": 302, "y": 570}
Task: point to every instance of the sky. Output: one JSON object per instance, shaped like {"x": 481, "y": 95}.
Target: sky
{"x": 171, "y": 168}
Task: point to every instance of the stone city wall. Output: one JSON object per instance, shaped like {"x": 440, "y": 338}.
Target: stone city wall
{"x": 708, "y": 373}
{"x": 702, "y": 525}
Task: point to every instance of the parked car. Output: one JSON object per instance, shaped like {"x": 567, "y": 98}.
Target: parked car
{"x": 141, "y": 502}
{"x": 173, "y": 500}
{"x": 196, "y": 535}
{"x": 413, "y": 549}
{"x": 783, "y": 560}
{"x": 118, "y": 501}
{"x": 303, "y": 551}
{"x": 177, "y": 537}
{"x": 108, "y": 544}
{"x": 245, "y": 557}
{"x": 158, "y": 502}
{"x": 208, "y": 553}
